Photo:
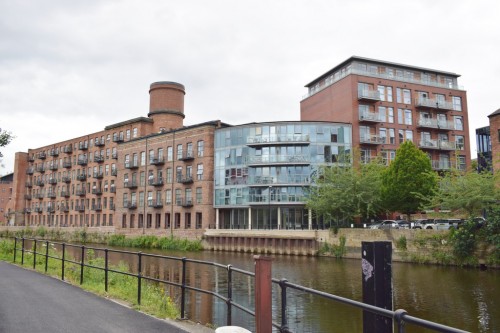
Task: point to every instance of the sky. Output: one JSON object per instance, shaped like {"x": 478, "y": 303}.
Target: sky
{"x": 69, "y": 68}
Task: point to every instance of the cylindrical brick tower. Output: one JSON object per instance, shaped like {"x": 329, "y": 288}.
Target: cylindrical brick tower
{"x": 166, "y": 105}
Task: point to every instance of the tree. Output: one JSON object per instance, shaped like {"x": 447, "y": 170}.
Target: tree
{"x": 347, "y": 192}
{"x": 5, "y": 139}
{"x": 408, "y": 180}
{"x": 468, "y": 192}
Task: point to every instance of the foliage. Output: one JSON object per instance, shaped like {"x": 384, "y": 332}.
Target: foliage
{"x": 464, "y": 241}
{"x": 5, "y": 138}
{"x": 492, "y": 234}
{"x": 468, "y": 192}
{"x": 336, "y": 250}
{"x": 154, "y": 242}
{"x": 408, "y": 180}
{"x": 345, "y": 192}
{"x": 401, "y": 243}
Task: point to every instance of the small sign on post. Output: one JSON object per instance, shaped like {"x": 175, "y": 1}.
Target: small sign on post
{"x": 377, "y": 284}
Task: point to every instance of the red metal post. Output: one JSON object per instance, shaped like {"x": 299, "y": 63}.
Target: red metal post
{"x": 263, "y": 295}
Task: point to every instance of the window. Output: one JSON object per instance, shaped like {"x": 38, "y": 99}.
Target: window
{"x": 403, "y": 96}
{"x": 400, "y": 116}
{"x": 199, "y": 197}
{"x": 461, "y": 162}
{"x": 189, "y": 149}
{"x": 392, "y": 137}
{"x": 178, "y": 174}
{"x": 141, "y": 199}
{"x": 188, "y": 196}
{"x": 409, "y": 135}
{"x": 199, "y": 172}
{"x": 189, "y": 171}
{"x": 160, "y": 154}
{"x": 143, "y": 158}
{"x": 151, "y": 155}
{"x": 178, "y": 199}
{"x": 385, "y": 93}
{"x": 457, "y": 103}
{"x": 169, "y": 154}
{"x": 168, "y": 196}
{"x": 459, "y": 125}
{"x": 169, "y": 175}
{"x": 383, "y": 135}
{"x": 460, "y": 142}
{"x": 198, "y": 220}
{"x": 408, "y": 118}
{"x": 201, "y": 147}
{"x": 127, "y": 135}
{"x": 401, "y": 136}
{"x": 179, "y": 152}
{"x": 134, "y": 132}
{"x": 150, "y": 198}
{"x": 390, "y": 115}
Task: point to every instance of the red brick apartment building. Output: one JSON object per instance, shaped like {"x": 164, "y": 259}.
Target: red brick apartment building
{"x": 388, "y": 103}
{"x": 144, "y": 173}
{"x": 495, "y": 140}
{"x": 5, "y": 197}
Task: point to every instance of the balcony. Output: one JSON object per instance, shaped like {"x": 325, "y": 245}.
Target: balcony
{"x": 65, "y": 194}
{"x": 114, "y": 156}
{"x": 82, "y": 161}
{"x": 184, "y": 202}
{"x": 97, "y": 191}
{"x": 42, "y": 155}
{"x": 82, "y": 177}
{"x": 81, "y": 193}
{"x": 114, "y": 172}
{"x": 130, "y": 185}
{"x": 97, "y": 207}
{"x": 99, "y": 142}
{"x": 51, "y": 209}
{"x": 155, "y": 182}
{"x": 29, "y": 184}
{"x": 30, "y": 171}
{"x": 53, "y": 167}
{"x": 98, "y": 175}
{"x": 368, "y": 95}
{"x": 188, "y": 156}
{"x": 27, "y": 196}
{"x": 447, "y": 145}
{"x": 427, "y": 123}
{"x": 112, "y": 206}
{"x": 51, "y": 195}
{"x": 428, "y": 103}
{"x": 27, "y": 210}
{"x": 80, "y": 208}
{"x": 40, "y": 168}
{"x": 184, "y": 180}
{"x": 279, "y": 139}
{"x": 278, "y": 160}
{"x": 445, "y": 125}
{"x": 130, "y": 205}
{"x": 52, "y": 181}
{"x": 371, "y": 117}
{"x": 372, "y": 139}
{"x": 83, "y": 146}
{"x": 54, "y": 152}
{"x": 38, "y": 209}
{"x": 64, "y": 208}
{"x": 99, "y": 158}
{"x": 31, "y": 158}
{"x": 38, "y": 195}
{"x": 39, "y": 182}
{"x": 112, "y": 189}
{"x": 66, "y": 179}
{"x": 68, "y": 149}
{"x": 157, "y": 161}
{"x": 265, "y": 181}
{"x": 155, "y": 204}
{"x": 117, "y": 138}
{"x": 131, "y": 164}
{"x": 441, "y": 164}
{"x": 67, "y": 165}
{"x": 428, "y": 144}
{"x": 281, "y": 199}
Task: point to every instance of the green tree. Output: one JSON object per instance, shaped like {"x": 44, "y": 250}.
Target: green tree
{"x": 468, "y": 192}
{"x": 408, "y": 180}
{"x": 5, "y": 139}
{"x": 345, "y": 192}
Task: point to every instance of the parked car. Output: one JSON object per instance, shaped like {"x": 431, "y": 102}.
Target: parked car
{"x": 421, "y": 223}
{"x": 385, "y": 224}
{"x": 403, "y": 224}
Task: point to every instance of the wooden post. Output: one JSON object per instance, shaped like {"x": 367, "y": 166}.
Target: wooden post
{"x": 263, "y": 295}
{"x": 377, "y": 284}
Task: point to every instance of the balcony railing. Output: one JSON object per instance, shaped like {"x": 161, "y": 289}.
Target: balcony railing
{"x": 368, "y": 95}
{"x": 64, "y": 208}
{"x": 157, "y": 161}
{"x": 67, "y": 164}
{"x": 261, "y": 140}
{"x": 429, "y": 144}
{"x": 66, "y": 179}
{"x": 155, "y": 204}
{"x": 80, "y": 208}
{"x": 131, "y": 164}
{"x": 40, "y": 168}
{"x": 117, "y": 138}
{"x": 447, "y": 145}
{"x": 270, "y": 180}
{"x": 114, "y": 172}
{"x": 38, "y": 209}
{"x": 82, "y": 161}
{"x": 441, "y": 164}
{"x": 29, "y": 184}
{"x": 65, "y": 194}
{"x": 27, "y": 210}
{"x": 372, "y": 139}
{"x": 427, "y": 123}
{"x": 39, "y": 182}
{"x": 445, "y": 125}
{"x": 38, "y": 195}
{"x": 184, "y": 179}
{"x": 99, "y": 142}
{"x": 97, "y": 191}
{"x": 277, "y": 159}
{"x": 130, "y": 205}
{"x": 81, "y": 177}
{"x": 54, "y": 152}
{"x": 187, "y": 156}
{"x": 68, "y": 149}
{"x": 31, "y": 158}
{"x": 99, "y": 159}
{"x": 370, "y": 117}
{"x": 155, "y": 182}
{"x": 51, "y": 209}
{"x": 52, "y": 181}
{"x": 130, "y": 184}
{"x": 184, "y": 202}
{"x": 97, "y": 207}
{"x": 81, "y": 193}
{"x": 83, "y": 146}
{"x": 98, "y": 175}
{"x": 42, "y": 155}
{"x": 433, "y": 104}
{"x": 27, "y": 196}
{"x": 114, "y": 156}
{"x": 51, "y": 195}
{"x": 30, "y": 171}
{"x": 261, "y": 199}
{"x": 53, "y": 167}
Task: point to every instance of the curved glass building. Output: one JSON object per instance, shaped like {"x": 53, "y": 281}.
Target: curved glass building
{"x": 263, "y": 171}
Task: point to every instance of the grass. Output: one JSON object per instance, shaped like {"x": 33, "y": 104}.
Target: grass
{"x": 154, "y": 299}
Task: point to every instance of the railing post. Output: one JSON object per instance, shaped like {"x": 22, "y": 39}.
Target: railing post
{"x": 34, "y": 253}
{"x": 63, "y": 260}
{"x": 15, "y": 248}
{"x": 399, "y": 317}
{"x": 377, "y": 284}
{"x": 22, "y": 252}
{"x": 106, "y": 270}
{"x": 284, "y": 319}
{"x": 183, "y": 288}
{"x": 82, "y": 264}
{"x": 229, "y": 295}
{"x": 263, "y": 295}
{"x": 139, "y": 274}
{"x": 46, "y": 255}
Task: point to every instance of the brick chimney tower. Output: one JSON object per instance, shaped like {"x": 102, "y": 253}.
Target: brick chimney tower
{"x": 166, "y": 105}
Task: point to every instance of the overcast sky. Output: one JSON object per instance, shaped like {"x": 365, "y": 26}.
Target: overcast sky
{"x": 68, "y": 68}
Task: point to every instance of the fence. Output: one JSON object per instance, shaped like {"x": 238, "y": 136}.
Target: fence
{"x": 400, "y": 317}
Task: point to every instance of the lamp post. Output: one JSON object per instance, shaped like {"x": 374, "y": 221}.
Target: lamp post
{"x": 269, "y": 206}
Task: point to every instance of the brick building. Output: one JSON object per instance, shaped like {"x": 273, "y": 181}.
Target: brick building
{"x": 143, "y": 173}
{"x": 495, "y": 139}
{"x": 388, "y": 103}
{"x": 5, "y": 197}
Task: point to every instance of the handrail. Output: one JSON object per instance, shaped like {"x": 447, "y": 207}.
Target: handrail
{"x": 400, "y": 316}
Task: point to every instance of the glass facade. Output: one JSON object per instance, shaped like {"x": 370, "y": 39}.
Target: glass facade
{"x": 263, "y": 170}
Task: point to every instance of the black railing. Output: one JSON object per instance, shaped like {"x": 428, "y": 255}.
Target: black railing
{"x": 400, "y": 317}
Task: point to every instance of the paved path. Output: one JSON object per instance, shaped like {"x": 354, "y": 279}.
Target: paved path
{"x": 32, "y": 302}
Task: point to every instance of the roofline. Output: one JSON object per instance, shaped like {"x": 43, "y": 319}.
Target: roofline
{"x": 494, "y": 114}
{"x": 127, "y": 122}
{"x": 293, "y": 121}
{"x": 375, "y": 61}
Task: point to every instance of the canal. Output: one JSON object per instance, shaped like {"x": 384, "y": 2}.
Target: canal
{"x": 468, "y": 299}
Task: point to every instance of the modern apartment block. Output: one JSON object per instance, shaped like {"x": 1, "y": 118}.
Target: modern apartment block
{"x": 388, "y": 103}
{"x": 143, "y": 173}
{"x": 483, "y": 142}
{"x": 263, "y": 172}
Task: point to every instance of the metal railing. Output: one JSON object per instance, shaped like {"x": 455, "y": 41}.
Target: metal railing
{"x": 400, "y": 317}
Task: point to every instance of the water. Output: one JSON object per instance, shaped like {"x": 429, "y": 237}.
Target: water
{"x": 468, "y": 299}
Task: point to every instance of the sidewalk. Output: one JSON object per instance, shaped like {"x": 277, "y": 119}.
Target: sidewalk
{"x": 33, "y": 302}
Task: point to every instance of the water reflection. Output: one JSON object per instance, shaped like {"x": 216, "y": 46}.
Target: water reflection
{"x": 464, "y": 298}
